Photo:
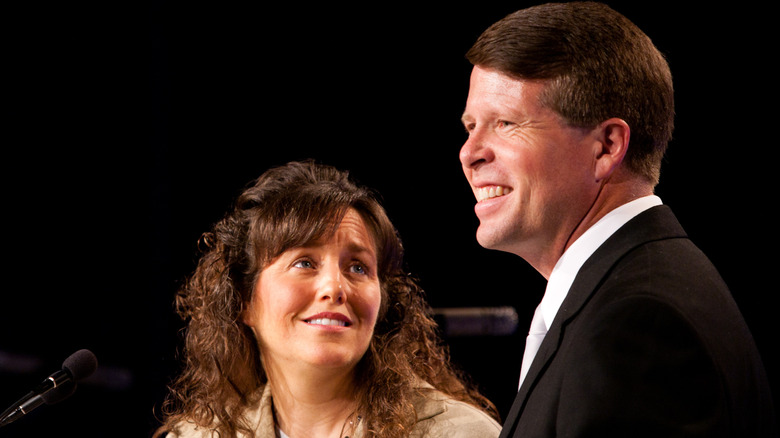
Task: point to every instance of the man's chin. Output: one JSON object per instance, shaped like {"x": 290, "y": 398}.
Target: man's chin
{"x": 486, "y": 237}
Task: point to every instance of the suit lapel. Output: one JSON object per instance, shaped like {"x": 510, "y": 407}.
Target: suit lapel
{"x": 653, "y": 224}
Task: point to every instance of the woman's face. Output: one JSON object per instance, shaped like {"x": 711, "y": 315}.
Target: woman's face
{"x": 318, "y": 304}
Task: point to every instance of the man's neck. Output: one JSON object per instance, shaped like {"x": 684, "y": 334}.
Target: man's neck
{"x": 612, "y": 196}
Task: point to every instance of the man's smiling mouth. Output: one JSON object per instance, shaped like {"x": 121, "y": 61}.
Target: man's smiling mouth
{"x": 490, "y": 192}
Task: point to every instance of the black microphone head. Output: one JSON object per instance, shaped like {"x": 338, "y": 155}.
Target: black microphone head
{"x": 80, "y": 364}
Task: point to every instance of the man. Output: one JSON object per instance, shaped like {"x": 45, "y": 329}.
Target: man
{"x": 569, "y": 112}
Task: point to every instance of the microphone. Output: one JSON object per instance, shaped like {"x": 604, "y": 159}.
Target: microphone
{"x": 55, "y": 388}
{"x": 476, "y": 321}
{"x": 60, "y": 393}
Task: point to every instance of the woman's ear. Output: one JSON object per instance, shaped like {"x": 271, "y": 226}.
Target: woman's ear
{"x": 247, "y": 313}
{"x": 613, "y": 137}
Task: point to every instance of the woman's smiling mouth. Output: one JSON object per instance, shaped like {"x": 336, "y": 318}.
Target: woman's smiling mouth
{"x": 329, "y": 319}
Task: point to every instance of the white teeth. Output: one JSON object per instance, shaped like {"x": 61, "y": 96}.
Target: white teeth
{"x": 327, "y": 321}
{"x": 484, "y": 193}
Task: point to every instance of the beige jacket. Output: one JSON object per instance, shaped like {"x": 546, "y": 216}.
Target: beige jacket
{"x": 438, "y": 417}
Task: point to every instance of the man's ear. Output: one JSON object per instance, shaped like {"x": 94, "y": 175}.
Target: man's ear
{"x": 613, "y": 136}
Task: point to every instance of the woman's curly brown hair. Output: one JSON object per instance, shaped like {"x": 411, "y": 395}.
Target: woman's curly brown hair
{"x": 287, "y": 207}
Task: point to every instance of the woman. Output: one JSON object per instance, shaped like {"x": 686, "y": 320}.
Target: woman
{"x": 302, "y": 323}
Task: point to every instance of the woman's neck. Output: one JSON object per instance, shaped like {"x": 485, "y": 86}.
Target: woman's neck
{"x": 313, "y": 403}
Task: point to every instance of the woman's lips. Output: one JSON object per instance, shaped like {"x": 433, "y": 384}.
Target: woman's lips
{"x": 329, "y": 319}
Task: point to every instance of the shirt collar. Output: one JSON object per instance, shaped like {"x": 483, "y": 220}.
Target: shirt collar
{"x": 574, "y": 257}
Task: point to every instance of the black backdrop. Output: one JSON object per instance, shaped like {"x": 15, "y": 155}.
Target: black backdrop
{"x": 130, "y": 127}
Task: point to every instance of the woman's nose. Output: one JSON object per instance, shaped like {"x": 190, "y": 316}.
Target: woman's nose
{"x": 332, "y": 287}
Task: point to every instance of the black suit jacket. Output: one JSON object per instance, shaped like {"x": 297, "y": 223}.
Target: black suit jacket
{"x": 648, "y": 342}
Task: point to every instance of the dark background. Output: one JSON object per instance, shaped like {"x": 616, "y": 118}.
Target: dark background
{"x": 130, "y": 127}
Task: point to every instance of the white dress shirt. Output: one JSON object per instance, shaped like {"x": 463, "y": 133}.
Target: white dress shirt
{"x": 575, "y": 256}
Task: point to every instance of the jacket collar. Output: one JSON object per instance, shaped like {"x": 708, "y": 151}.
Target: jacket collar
{"x": 428, "y": 403}
{"x": 656, "y": 223}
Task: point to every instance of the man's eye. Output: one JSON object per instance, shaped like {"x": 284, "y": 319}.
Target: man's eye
{"x": 504, "y": 124}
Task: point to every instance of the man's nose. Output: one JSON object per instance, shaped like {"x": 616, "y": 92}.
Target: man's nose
{"x": 475, "y": 151}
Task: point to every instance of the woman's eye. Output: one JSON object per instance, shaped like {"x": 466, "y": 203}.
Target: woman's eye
{"x": 304, "y": 264}
{"x": 358, "y": 268}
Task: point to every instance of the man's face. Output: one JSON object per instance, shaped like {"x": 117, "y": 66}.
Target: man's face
{"x": 531, "y": 173}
